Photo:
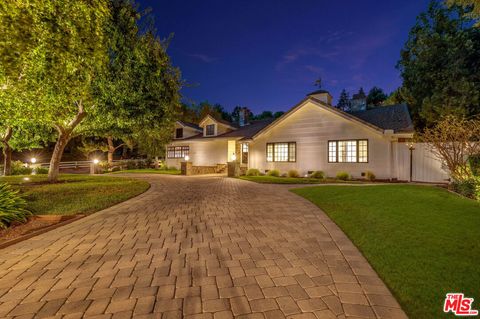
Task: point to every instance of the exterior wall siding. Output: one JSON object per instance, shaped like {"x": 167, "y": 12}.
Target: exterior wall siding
{"x": 311, "y": 127}
{"x": 202, "y": 153}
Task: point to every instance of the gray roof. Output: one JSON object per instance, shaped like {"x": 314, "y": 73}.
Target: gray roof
{"x": 244, "y": 132}
{"x": 391, "y": 117}
{"x": 192, "y": 125}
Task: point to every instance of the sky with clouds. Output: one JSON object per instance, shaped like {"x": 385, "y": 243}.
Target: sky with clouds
{"x": 266, "y": 54}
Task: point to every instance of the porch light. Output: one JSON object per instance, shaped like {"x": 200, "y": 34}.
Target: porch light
{"x": 96, "y": 161}
{"x": 33, "y": 160}
{"x": 187, "y": 158}
{"x": 26, "y": 178}
{"x": 234, "y": 157}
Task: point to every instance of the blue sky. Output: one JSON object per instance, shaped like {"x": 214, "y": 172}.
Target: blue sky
{"x": 266, "y": 54}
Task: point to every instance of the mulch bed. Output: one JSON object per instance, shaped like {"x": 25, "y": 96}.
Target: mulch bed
{"x": 32, "y": 227}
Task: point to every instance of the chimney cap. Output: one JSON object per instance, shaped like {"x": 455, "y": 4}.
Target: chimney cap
{"x": 318, "y": 92}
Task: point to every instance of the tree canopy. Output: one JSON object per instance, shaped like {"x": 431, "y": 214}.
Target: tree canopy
{"x": 440, "y": 66}
{"x": 375, "y": 97}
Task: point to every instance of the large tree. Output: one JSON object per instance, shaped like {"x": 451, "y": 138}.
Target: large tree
{"x": 54, "y": 50}
{"x": 440, "y": 66}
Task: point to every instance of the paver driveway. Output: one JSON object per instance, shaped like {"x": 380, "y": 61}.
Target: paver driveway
{"x": 195, "y": 247}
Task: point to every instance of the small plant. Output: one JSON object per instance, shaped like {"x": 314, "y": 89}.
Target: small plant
{"x": 318, "y": 175}
{"x": 293, "y": 173}
{"x": 273, "y": 172}
{"x": 369, "y": 176}
{"x": 467, "y": 188}
{"x": 18, "y": 168}
{"x": 12, "y": 207}
{"x": 253, "y": 172}
{"x": 41, "y": 170}
{"x": 343, "y": 176}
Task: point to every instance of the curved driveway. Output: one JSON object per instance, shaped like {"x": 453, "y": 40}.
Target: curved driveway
{"x": 195, "y": 247}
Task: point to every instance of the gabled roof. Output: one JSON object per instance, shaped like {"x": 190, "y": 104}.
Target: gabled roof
{"x": 392, "y": 117}
{"x": 191, "y": 125}
{"x": 396, "y": 119}
{"x": 226, "y": 123}
{"x": 243, "y": 132}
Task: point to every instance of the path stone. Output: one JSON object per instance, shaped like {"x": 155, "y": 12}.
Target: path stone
{"x": 195, "y": 247}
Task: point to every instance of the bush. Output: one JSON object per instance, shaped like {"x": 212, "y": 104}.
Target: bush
{"x": 293, "y": 173}
{"x": 273, "y": 172}
{"x": 18, "y": 168}
{"x": 343, "y": 176}
{"x": 467, "y": 188}
{"x": 318, "y": 175}
{"x": 474, "y": 162}
{"x": 253, "y": 172}
{"x": 369, "y": 176}
{"x": 41, "y": 170}
{"x": 12, "y": 207}
{"x": 131, "y": 164}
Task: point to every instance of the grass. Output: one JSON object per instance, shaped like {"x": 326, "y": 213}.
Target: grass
{"x": 291, "y": 180}
{"x": 149, "y": 171}
{"x": 423, "y": 241}
{"x": 74, "y": 194}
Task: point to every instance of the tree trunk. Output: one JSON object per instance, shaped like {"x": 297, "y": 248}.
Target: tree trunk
{"x": 124, "y": 151}
{"x": 157, "y": 164}
{"x": 64, "y": 135}
{"x": 7, "y": 153}
{"x": 111, "y": 150}
{"x": 54, "y": 169}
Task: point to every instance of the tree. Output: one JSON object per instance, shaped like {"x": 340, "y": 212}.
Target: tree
{"x": 375, "y": 97}
{"x": 236, "y": 113}
{"x": 205, "y": 108}
{"x": 225, "y": 115}
{"x": 396, "y": 97}
{"x": 440, "y": 66}
{"x": 344, "y": 101}
{"x": 264, "y": 115}
{"x": 277, "y": 114}
{"x": 54, "y": 50}
{"x": 453, "y": 140}
{"x": 472, "y": 7}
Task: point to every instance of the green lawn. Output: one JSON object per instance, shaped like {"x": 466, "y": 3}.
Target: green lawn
{"x": 291, "y": 180}
{"x": 149, "y": 171}
{"x": 75, "y": 194}
{"x": 423, "y": 241}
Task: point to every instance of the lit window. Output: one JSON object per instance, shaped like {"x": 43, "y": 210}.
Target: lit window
{"x": 281, "y": 152}
{"x": 177, "y": 151}
{"x": 351, "y": 151}
{"x": 210, "y": 130}
{"x": 244, "y": 153}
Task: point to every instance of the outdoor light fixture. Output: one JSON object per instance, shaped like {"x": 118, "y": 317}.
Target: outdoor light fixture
{"x": 96, "y": 161}
{"x": 33, "y": 160}
{"x": 26, "y": 178}
{"x": 187, "y": 158}
{"x": 234, "y": 157}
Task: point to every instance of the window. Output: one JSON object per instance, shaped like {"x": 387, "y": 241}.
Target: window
{"x": 177, "y": 151}
{"x": 245, "y": 153}
{"x": 179, "y": 133}
{"x": 210, "y": 130}
{"x": 281, "y": 152}
{"x": 351, "y": 151}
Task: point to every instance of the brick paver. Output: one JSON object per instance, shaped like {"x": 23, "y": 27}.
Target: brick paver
{"x": 195, "y": 247}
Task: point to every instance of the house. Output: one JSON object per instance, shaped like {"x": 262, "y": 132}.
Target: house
{"x": 311, "y": 136}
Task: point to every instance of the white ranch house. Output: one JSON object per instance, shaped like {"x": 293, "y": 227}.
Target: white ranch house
{"x": 311, "y": 136}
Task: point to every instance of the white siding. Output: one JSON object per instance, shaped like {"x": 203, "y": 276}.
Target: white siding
{"x": 202, "y": 153}
{"x": 311, "y": 127}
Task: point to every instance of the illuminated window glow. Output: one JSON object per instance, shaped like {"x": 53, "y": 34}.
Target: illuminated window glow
{"x": 349, "y": 151}
{"x": 281, "y": 152}
{"x": 177, "y": 151}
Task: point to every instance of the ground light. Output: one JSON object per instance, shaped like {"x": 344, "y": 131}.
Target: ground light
{"x": 187, "y": 158}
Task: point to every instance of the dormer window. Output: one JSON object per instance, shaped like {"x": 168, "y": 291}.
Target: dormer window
{"x": 210, "y": 130}
{"x": 179, "y": 133}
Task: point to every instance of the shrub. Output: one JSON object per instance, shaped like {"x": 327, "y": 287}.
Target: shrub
{"x": 369, "y": 176}
{"x": 131, "y": 164}
{"x": 474, "y": 162}
{"x": 318, "y": 175}
{"x": 293, "y": 173}
{"x": 12, "y": 207}
{"x": 343, "y": 176}
{"x": 253, "y": 172}
{"x": 18, "y": 168}
{"x": 273, "y": 172}
{"x": 467, "y": 188}
{"x": 41, "y": 170}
